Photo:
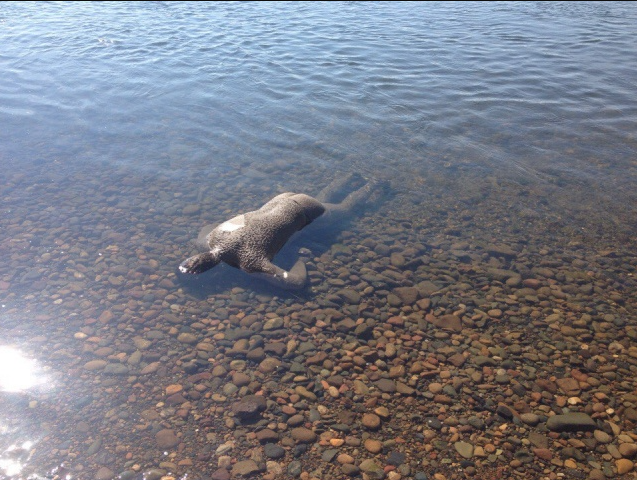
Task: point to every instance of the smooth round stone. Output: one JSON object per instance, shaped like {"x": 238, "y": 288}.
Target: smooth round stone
{"x": 624, "y": 466}
{"x": 628, "y": 450}
{"x": 95, "y": 365}
{"x": 602, "y": 437}
{"x": 303, "y": 435}
{"x": 344, "y": 458}
{"x": 187, "y": 338}
{"x": 530, "y": 418}
{"x": 435, "y": 387}
{"x": 373, "y": 446}
{"x": 274, "y": 451}
{"x": 104, "y": 474}
{"x": 371, "y": 421}
{"x": 172, "y": 389}
{"x": 166, "y": 438}
{"x": 269, "y": 365}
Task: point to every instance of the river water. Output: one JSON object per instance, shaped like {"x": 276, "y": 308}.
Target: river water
{"x": 504, "y": 133}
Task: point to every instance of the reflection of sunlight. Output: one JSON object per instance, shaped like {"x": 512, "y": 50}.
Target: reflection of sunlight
{"x": 17, "y": 373}
{"x": 12, "y": 459}
{"x": 19, "y": 377}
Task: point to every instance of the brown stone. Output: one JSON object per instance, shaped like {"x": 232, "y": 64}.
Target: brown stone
{"x": 543, "y": 453}
{"x": 446, "y": 322}
{"x": 569, "y": 386}
{"x": 303, "y": 435}
{"x": 373, "y": 446}
{"x": 371, "y": 421}
{"x": 624, "y": 466}
{"x": 166, "y": 438}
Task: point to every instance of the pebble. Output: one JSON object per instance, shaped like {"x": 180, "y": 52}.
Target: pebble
{"x": 628, "y": 450}
{"x": 624, "y": 466}
{"x": 303, "y": 435}
{"x": 104, "y": 474}
{"x": 371, "y": 421}
{"x": 273, "y": 451}
{"x": 373, "y": 446}
{"x": 464, "y": 449}
{"x": 245, "y": 468}
{"x": 249, "y": 406}
{"x": 166, "y": 439}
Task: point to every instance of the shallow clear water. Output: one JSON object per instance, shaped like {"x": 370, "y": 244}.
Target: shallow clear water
{"x": 125, "y": 127}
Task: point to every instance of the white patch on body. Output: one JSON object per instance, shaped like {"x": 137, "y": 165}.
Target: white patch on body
{"x": 285, "y": 274}
{"x": 233, "y": 224}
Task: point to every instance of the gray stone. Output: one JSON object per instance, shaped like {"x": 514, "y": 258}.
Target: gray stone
{"x": 571, "y": 422}
{"x": 464, "y": 449}
{"x": 274, "y": 451}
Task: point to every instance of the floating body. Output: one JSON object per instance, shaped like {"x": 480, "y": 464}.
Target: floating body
{"x": 251, "y": 240}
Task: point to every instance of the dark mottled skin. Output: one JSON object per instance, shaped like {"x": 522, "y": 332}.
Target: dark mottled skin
{"x": 250, "y": 241}
{"x": 265, "y": 231}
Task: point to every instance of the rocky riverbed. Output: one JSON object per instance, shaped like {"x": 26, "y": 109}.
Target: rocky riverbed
{"x": 467, "y": 333}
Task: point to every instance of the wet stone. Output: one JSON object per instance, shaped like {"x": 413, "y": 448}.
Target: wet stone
{"x": 371, "y": 421}
{"x": 116, "y": 369}
{"x": 269, "y": 365}
{"x": 571, "y": 422}
{"x": 350, "y": 296}
{"x": 396, "y": 458}
{"x": 246, "y": 468}
{"x": 386, "y": 385}
{"x": 372, "y": 470}
{"x": 295, "y": 468}
{"x": 303, "y": 435}
{"x": 602, "y": 437}
{"x": 187, "y": 338}
{"x": 464, "y": 449}
{"x": 104, "y": 474}
{"x": 219, "y": 474}
{"x": 624, "y": 466}
{"x": 407, "y": 295}
{"x": 329, "y": 455}
{"x": 166, "y": 439}
{"x": 267, "y": 436}
{"x": 95, "y": 365}
{"x": 530, "y": 418}
{"x": 350, "y": 470}
{"x": 628, "y": 450}
{"x": 446, "y": 322}
{"x": 373, "y": 446}
{"x": 433, "y": 423}
{"x": 274, "y": 451}
{"x": 249, "y": 406}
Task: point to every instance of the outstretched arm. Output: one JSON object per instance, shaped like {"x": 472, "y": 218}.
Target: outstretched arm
{"x": 295, "y": 279}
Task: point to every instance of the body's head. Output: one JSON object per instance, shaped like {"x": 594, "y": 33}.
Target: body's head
{"x": 312, "y": 208}
{"x": 200, "y": 263}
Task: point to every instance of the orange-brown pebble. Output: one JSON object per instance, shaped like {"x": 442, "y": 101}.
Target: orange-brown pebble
{"x": 172, "y": 389}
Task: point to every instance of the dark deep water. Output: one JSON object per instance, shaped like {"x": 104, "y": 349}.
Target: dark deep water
{"x": 507, "y": 132}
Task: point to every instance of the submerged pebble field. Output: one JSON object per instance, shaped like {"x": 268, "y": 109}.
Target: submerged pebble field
{"x": 428, "y": 345}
